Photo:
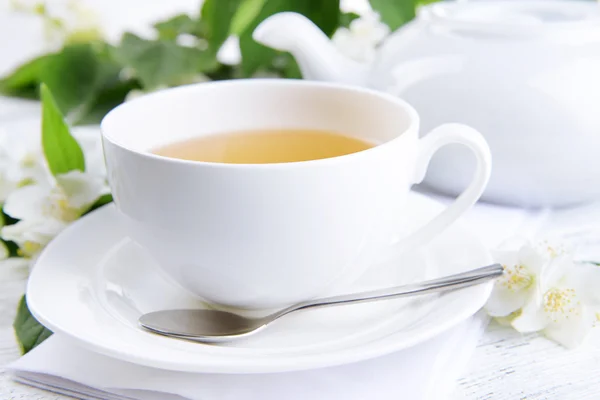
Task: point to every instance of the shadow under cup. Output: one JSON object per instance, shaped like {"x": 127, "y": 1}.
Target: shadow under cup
{"x": 261, "y": 236}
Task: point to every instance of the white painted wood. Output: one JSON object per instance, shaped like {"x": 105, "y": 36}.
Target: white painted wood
{"x": 506, "y": 364}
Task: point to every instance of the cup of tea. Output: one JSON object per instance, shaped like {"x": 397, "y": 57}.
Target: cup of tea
{"x": 256, "y": 194}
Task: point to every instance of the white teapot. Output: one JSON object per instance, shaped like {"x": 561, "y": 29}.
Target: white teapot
{"x": 525, "y": 73}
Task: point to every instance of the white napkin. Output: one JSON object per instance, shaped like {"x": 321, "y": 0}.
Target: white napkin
{"x": 424, "y": 372}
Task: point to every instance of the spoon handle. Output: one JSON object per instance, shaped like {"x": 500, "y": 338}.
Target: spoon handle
{"x": 451, "y": 282}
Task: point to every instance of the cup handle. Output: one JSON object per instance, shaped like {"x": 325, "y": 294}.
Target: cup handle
{"x": 428, "y": 145}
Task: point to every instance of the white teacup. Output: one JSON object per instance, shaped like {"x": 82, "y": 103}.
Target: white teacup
{"x": 261, "y": 236}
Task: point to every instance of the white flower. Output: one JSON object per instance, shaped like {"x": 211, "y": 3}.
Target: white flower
{"x": 361, "y": 39}
{"x": 64, "y": 21}
{"x": 565, "y": 303}
{"x": 4, "y": 252}
{"x": 22, "y": 159}
{"x": 230, "y": 53}
{"x": 14, "y": 269}
{"x": 44, "y": 205}
{"x": 90, "y": 140}
{"x": 32, "y": 235}
{"x": 521, "y": 269}
{"x": 355, "y": 6}
{"x": 187, "y": 40}
{"x": 45, "y": 208}
{"x": 543, "y": 289}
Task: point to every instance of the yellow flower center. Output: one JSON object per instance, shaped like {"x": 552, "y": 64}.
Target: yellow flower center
{"x": 29, "y": 160}
{"x": 552, "y": 251}
{"x": 28, "y": 249}
{"x": 25, "y": 182}
{"x": 560, "y": 303}
{"x": 58, "y": 207}
{"x": 516, "y": 277}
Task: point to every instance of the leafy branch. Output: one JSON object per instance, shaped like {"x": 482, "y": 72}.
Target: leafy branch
{"x": 88, "y": 78}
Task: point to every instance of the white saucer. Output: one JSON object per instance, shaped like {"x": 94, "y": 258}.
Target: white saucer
{"x": 92, "y": 283}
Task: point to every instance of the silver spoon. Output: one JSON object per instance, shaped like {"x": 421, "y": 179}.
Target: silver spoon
{"x": 214, "y": 326}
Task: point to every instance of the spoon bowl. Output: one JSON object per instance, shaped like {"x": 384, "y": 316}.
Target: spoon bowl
{"x": 202, "y": 325}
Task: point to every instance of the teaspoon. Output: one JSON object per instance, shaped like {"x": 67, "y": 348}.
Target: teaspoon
{"x": 213, "y": 326}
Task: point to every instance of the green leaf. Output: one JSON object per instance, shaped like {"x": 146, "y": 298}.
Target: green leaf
{"x": 108, "y": 97}
{"x": 75, "y": 75}
{"x": 24, "y": 80}
{"x": 173, "y": 27}
{"x": 216, "y": 16}
{"x": 102, "y": 201}
{"x": 7, "y": 219}
{"x": 324, "y": 13}
{"x": 162, "y": 62}
{"x": 108, "y": 91}
{"x": 30, "y": 333}
{"x": 13, "y": 248}
{"x": 71, "y": 75}
{"x": 394, "y": 13}
{"x": 346, "y": 18}
{"x": 61, "y": 150}
{"x": 245, "y": 14}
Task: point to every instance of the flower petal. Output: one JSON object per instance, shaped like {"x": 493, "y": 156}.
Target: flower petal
{"x": 46, "y": 230}
{"x": 504, "y": 301}
{"x": 507, "y": 258}
{"x": 4, "y": 252}
{"x": 27, "y": 202}
{"x": 556, "y": 270}
{"x": 7, "y": 186}
{"x": 532, "y": 317}
{"x": 573, "y": 331}
{"x": 14, "y": 268}
{"x": 507, "y": 321}
{"x": 34, "y": 231}
{"x": 81, "y": 189}
{"x": 369, "y": 28}
{"x": 585, "y": 279}
{"x": 513, "y": 243}
{"x": 90, "y": 139}
{"x": 355, "y": 44}
{"x": 533, "y": 259}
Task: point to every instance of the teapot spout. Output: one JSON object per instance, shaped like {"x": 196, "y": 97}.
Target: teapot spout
{"x": 316, "y": 56}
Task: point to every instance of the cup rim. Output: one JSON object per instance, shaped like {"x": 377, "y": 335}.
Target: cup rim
{"x": 413, "y": 116}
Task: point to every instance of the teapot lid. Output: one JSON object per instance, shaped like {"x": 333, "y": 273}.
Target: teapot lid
{"x": 517, "y": 17}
